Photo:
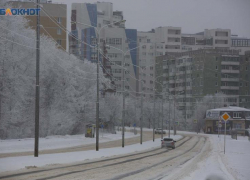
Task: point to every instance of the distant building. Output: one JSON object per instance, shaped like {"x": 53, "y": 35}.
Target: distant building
{"x": 163, "y": 40}
{"x": 240, "y": 43}
{"x": 239, "y": 120}
{"x": 152, "y": 44}
{"x": 208, "y": 39}
{"x": 52, "y": 17}
{"x": 101, "y": 15}
{"x": 189, "y": 76}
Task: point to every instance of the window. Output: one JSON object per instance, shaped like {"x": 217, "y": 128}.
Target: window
{"x": 59, "y": 41}
{"x": 237, "y": 115}
{"x": 216, "y": 75}
{"x": 246, "y": 84}
{"x": 114, "y": 41}
{"x": 216, "y": 83}
{"x": 148, "y": 40}
{"x": 216, "y": 67}
{"x": 126, "y": 72}
{"x": 246, "y": 68}
{"x": 59, "y": 20}
{"x": 237, "y": 125}
{"x": 59, "y": 31}
{"x": 116, "y": 70}
{"x": 117, "y": 78}
{"x": 240, "y": 84}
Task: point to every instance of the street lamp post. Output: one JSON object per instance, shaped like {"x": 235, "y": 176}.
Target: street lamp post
{"x": 97, "y": 76}
{"x": 123, "y": 92}
{"x": 123, "y": 102}
{"x": 162, "y": 120}
{"x": 154, "y": 119}
{"x": 37, "y": 83}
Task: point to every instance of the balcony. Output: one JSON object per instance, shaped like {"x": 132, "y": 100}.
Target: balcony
{"x": 230, "y": 63}
{"x": 230, "y": 87}
{"x": 230, "y": 79}
{"x": 230, "y": 71}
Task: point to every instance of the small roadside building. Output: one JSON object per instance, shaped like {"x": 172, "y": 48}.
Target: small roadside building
{"x": 239, "y": 120}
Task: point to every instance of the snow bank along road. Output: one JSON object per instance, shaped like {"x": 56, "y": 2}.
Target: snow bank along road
{"x": 147, "y": 135}
{"x": 152, "y": 164}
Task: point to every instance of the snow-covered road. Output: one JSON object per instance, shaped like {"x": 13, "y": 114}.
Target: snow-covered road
{"x": 150, "y": 164}
{"x": 196, "y": 157}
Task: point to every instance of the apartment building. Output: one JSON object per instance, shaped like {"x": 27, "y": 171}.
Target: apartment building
{"x": 155, "y": 43}
{"x": 240, "y": 43}
{"x": 188, "y": 76}
{"x": 162, "y": 40}
{"x": 208, "y": 39}
{"x": 91, "y": 20}
{"x": 52, "y": 17}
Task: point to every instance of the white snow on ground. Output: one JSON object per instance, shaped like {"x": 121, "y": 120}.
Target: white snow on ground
{"x": 56, "y": 142}
{"x": 15, "y": 163}
{"x": 233, "y": 165}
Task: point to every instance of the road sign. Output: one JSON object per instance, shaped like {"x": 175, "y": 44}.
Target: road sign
{"x": 195, "y": 121}
{"x": 134, "y": 124}
{"x": 176, "y": 122}
{"x": 220, "y": 125}
{"x": 225, "y": 116}
{"x": 102, "y": 126}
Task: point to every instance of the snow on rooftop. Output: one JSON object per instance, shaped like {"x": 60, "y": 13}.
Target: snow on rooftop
{"x": 230, "y": 108}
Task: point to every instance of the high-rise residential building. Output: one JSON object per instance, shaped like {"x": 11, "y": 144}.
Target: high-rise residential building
{"x": 152, "y": 44}
{"x": 240, "y": 43}
{"x": 208, "y": 39}
{"x": 162, "y": 40}
{"x": 91, "y": 20}
{"x": 53, "y": 20}
{"x": 189, "y": 76}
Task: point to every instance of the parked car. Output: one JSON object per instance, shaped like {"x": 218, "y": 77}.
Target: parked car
{"x": 159, "y": 130}
{"x": 168, "y": 143}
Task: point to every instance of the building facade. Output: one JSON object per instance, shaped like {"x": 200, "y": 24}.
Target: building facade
{"x": 162, "y": 40}
{"x": 53, "y": 19}
{"x": 239, "y": 120}
{"x": 189, "y": 76}
{"x": 155, "y": 43}
{"x": 116, "y": 42}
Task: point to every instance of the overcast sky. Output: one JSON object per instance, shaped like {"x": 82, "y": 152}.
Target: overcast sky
{"x": 191, "y": 15}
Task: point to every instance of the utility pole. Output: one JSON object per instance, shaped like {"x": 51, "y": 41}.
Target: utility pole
{"x": 169, "y": 116}
{"x": 169, "y": 99}
{"x": 174, "y": 98}
{"x": 97, "y": 95}
{"x": 155, "y": 79}
{"x": 123, "y": 100}
{"x": 185, "y": 94}
{"x": 154, "y": 119}
{"x": 141, "y": 119}
{"x": 162, "y": 120}
{"x": 37, "y": 80}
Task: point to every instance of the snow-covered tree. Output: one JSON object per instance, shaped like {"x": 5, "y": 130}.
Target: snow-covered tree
{"x": 67, "y": 85}
{"x": 205, "y": 103}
